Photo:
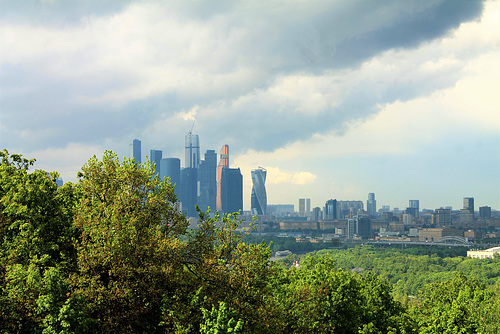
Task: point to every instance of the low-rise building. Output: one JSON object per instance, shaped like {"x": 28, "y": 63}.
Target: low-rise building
{"x": 483, "y": 254}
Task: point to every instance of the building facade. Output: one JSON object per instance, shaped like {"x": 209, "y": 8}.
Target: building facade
{"x": 171, "y": 167}
{"x": 223, "y": 164}
{"x": 207, "y": 181}
{"x": 469, "y": 204}
{"x": 371, "y": 205}
{"x": 192, "y": 151}
{"x": 259, "y": 195}
{"x": 330, "y": 212}
{"x": 231, "y": 190}
{"x": 135, "y": 151}
{"x": 155, "y": 157}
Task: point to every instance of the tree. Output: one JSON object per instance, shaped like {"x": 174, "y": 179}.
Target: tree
{"x": 460, "y": 305}
{"x": 36, "y": 245}
{"x": 130, "y": 246}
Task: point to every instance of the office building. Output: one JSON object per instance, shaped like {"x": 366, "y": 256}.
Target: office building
{"x": 371, "y": 205}
{"x": 207, "y": 181}
{"x": 330, "y": 212}
{"x": 360, "y": 226}
{"x": 308, "y": 207}
{"x": 155, "y": 157}
{"x": 469, "y": 204}
{"x": 302, "y": 207}
{"x": 485, "y": 212}
{"x": 223, "y": 164}
{"x": 192, "y": 151}
{"x": 415, "y": 204}
{"x": 135, "y": 150}
{"x": 231, "y": 190}
{"x": 171, "y": 167}
{"x": 442, "y": 217}
{"x": 259, "y": 195}
{"x": 189, "y": 191}
{"x": 317, "y": 215}
{"x": 348, "y": 208}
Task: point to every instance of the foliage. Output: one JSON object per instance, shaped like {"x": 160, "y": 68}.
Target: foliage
{"x": 319, "y": 298}
{"x": 459, "y": 305}
{"x": 36, "y": 245}
{"x": 113, "y": 254}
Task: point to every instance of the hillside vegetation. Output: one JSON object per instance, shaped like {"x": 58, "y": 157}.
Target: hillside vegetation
{"x": 111, "y": 254}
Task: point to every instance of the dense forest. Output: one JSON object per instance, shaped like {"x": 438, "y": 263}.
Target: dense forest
{"x": 111, "y": 254}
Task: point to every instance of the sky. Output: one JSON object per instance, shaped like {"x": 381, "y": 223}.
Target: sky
{"x": 336, "y": 99}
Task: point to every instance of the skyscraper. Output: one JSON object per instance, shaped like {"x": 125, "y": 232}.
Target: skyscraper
{"x": 135, "y": 150}
{"x": 207, "y": 181}
{"x": 231, "y": 190}
{"x": 469, "y": 204}
{"x": 259, "y": 195}
{"x": 485, "y": 212}
{"x": 330, "y": 210}
{"x": 308, "y": 207}
{"x": 302, "y": 207}
{"x": 223, "y": 164}
{"x": 189, "y": 190}
{"x": 413, "y": 209}
{"x": 171, "y": 167}
{"x": 359, "y": 225}
{"x": 192, "y": 151}
{"x": 371, "y": 204}
{"x": 155, "y": 156}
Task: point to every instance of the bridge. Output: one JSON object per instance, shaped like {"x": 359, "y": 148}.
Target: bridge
{"x": 448, "y": 243}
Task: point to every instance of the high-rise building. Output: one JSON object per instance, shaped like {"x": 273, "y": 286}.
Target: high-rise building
{"x": 485, "y": 212}
{"x": 171, "y": 167}
{"x": 192, "y": 151}
{"x": 415, "y": 204}
{"x": 348, "y": 208}
{"x": 469, "y": 204}
{"x": 135, "y": 150}
{"x": 189, "y": 191}
{"x": 371, "y": 204}
{"x": 308, "y": 207}
{"x": 207, "y": 181}
{"x": 442, "y": 217}
{"x": 155, "y": 156}
{"x": 330, "y": 212}
{"x": 231, "y": 190}
{"x": 360, "y": 226}
{"x": 302, "y": 207}
{"x": 223, "y": 164}
{"x": 259, "y": 195}
{"x": 317, "y": 214}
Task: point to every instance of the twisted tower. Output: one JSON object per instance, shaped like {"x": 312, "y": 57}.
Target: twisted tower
{"x": 259, "y": 196}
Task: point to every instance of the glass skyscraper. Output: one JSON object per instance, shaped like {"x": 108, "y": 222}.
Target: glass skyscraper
{"x": 371, "y": 204}
{"x": 223, "y": 164}
{"x": 192, "y": 151}
{"x": 259, "y": 196}
{"x": 155, "y": 156}
{"x": 231, "y": 190}
{"x": 207, "y": 181}
{"x": 171, "y": 167}
{"x": 135, "y": 150}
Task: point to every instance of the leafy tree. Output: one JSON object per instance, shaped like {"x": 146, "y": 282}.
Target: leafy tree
{"x": 36, "y": 245}
{"x": 319, "y": 298}
{"x": 129, "y": 247}
{"x": 460, "y": 305}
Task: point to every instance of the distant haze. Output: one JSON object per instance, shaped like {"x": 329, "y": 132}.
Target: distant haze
{"x": 335, "y": 99}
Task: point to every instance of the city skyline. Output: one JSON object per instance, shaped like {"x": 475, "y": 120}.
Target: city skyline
{"x": 334, "y": 99}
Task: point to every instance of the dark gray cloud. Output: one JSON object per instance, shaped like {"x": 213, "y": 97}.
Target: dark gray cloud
{"x": 275, "y": 39}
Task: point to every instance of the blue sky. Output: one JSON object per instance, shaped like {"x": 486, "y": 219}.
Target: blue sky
{"x": 335, "y": 98}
